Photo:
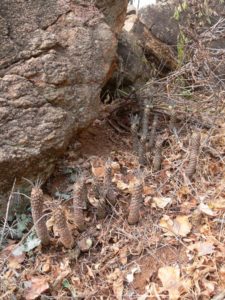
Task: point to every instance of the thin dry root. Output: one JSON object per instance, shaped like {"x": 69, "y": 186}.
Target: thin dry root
{"x": 79, "y": 203}
{"x": 37, "y": 202}
{"x": 152, "y": 135}
{"x": 158, "y": 155}
{"x": 134, "y": 133}
{"x": 65, "y": 235}
{"x": 194, "y": 152}
{"x": 101, "y": 209}
{"x": 135, "y": 205}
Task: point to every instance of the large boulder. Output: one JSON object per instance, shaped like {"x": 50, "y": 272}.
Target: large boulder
{"x": 166, "y": 18}
{"x": 139, "y": 51}
{"x": 133, "y": 69}
{"x": 55, "y": 57}
{"x": 159, "y": 20}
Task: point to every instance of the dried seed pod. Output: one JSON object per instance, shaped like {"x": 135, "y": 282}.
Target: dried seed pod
{"x": 152, "y": 135}
{"x": 101, "y": 208}
{"x": 134, "y": 133}
{"x": 194, "y": 152}
{"x": 145, "y": 121}
{"x": 79, "y": 201}
{"x": 65, "y": 235}
{"x": 136, "y": 202}
{"x": 157, "y": 160}
{"x": 37, "y": 203}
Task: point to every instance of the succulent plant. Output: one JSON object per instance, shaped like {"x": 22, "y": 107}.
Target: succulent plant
{"x": 79, "y": 202}
{"x": 134, "y": 133}
{"x": 65, "y": 235}
{"x": 152, "y": 135}
{"x": 136, "y": 203}
{"x": 108, "y": 189}
{"x": 145, "y": 121}
{"x": 194, "y": 152}
{"x": 101, "y": 208}
{"x": 157, "y": 160}
{"x": 37, "y": 202}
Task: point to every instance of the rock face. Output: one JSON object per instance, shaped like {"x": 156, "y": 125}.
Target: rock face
{"x": 55, "y": 57}
{"x": 114, "y": 12}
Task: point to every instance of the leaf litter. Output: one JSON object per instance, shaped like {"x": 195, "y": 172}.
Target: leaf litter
{"x": 176, "y": 251}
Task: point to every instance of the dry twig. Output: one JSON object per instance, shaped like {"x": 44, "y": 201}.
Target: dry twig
{"x": 7, "y": 212}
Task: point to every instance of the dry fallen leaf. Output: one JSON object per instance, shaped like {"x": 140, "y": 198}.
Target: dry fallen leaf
{"x": 148, "y": 190}
{"x": 183, "y": 191}
{"x": 116, "y": 278}
{"x": 115, "y": 166}
{"x": 162, "y": 202}
{"x": 182, "y": 226}
{"x": 203, "y": 248}
{"x": 170, "y": 278}
{"x": 222, "y": 275}
{"x": 90, "y": 272}
{"x": 15, "y": 261}
{"x": 125, "y": 183}
{"x": 46, "y": 266}
{"x": 179, "y": 226}
{"x": 123, "y": 255}
{"x": 38, "y": 286}
{"x": 121, "y": 185}
{"x": 98, "y": 168}
{"x": 204, "y": 208}
{"x": 218, "y": 203}
{"x": 130, "y": 275}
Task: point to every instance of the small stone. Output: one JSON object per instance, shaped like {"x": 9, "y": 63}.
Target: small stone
{"x": 85, "y": 244}
{"x": 99, "y": 226}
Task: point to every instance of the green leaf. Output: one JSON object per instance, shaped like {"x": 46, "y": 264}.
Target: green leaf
{"x": 184, "y": 5}
{"x": 176, "y": 15}
{"x": 32, "y": 242}
{"x": 66, "y": 284}
{"x": 72, "y": 290}
{"x": 63, "y": 196}
{"x": 18, "y": 250}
